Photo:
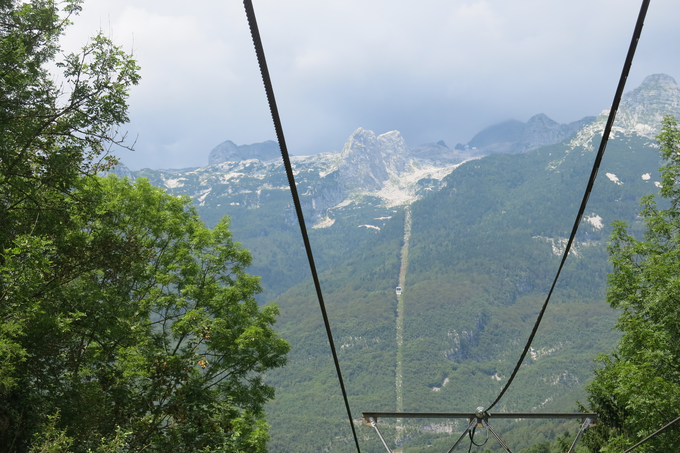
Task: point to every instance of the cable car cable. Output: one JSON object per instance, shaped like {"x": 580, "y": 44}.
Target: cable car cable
{"x": 652, "y": 435}
{"x": 259, "y": 50}
{"x": 589, "y": 187}
{"x": 472, "y": 439}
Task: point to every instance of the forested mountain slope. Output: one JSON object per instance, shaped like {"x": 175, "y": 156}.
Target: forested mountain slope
{"x": 346, "y": 197}
{"x": 483, "y": 251}
{"x": 485, "y": 242}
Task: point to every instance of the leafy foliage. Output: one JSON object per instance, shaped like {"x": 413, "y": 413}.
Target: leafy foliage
{"x": 155, "y": 330}
{"x": 637, "y": 389}
{"x": 46, "y": 145}
{"x": 125, "y": 323}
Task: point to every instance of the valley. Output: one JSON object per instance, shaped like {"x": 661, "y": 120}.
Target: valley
{"x": 473, "y": 241}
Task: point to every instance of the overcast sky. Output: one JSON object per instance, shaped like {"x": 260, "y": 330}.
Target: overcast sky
{"x": 433, "y": 69}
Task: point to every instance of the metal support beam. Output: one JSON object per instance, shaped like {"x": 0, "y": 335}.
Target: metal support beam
{"x": 467, "y": 430}
{"x": 479, "y": 418}
{"x": 468, "y": 415}
{"x": 505, "y": 447}
{"x": 585, "y": 424}
{"x": 373, "y": 423}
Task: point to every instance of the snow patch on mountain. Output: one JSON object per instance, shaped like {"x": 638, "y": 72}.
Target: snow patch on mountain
{"x": 615, "y": 179}
{"x": 595, "y": 220}
{"x": 382, "y": 170}
{"x": 201, "y": 198}
{"x": 325, "y": 223}
{"x": 559, "y": 245}
{"x": 369, "y": 166}
{"x": 402, "y": 191}
{"x": 171, "y": 183}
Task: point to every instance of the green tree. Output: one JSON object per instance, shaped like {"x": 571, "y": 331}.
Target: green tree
{"x": 159, "y": 335}
{"x": 637, "y": 390}
{"x": 125, "y": 323}
{"x": 52, "y": 134}
{"x": 50, "y": 137}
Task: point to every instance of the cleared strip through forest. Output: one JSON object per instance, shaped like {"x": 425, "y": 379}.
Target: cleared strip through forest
{"x": 400, "y": 322}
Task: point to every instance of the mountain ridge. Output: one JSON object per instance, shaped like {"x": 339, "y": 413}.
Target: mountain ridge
{"x": 383, "y": 170}
{"x": 229, "y": 151}
{"x": 514, "y": 136}
{"x": 486, "y": 236}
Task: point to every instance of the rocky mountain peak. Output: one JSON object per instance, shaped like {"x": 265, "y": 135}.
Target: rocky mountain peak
{"x": 362, "y": 164}
{"x": 360, "y": 139}
{"x": 657, "y": 91}
{"x": 541, "y": 121}
{"x": 121, "y": 170}
{"x": 394, "y": 152}
{"x": 643, "y": 108}
{"x": 659, "y": 81}
{"x": 228, "y": 151}
{"x": 514, "y": 136}
{"x": 640, "y": 112}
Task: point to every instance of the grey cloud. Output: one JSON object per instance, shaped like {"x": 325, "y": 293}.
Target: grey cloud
{"x": 433, "y": 70}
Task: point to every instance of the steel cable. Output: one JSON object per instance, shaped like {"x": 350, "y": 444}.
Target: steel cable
{"x": 652, "y": 435}
{"x": 589, "y": 187}
{"x": 259, "y": 50}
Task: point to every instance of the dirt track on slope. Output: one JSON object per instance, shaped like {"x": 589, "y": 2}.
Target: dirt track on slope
{"x": 400, "y": 324}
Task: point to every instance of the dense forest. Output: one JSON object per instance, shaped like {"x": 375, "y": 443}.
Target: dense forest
{"x": 483, "y": 251}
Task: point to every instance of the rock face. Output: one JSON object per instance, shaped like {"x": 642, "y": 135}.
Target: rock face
{"x": 382, "y": 168}
{"x": 541, "y": 131}
{"x": 376, "y": 169}
{"x": 517, "y": 137}
{"x": 362, "y": 166}
{"x": 229, "y": 152}
{"x": 366, "y": 161}
{"x": 640, "y": 112}
{"x": 642, "y": 109}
